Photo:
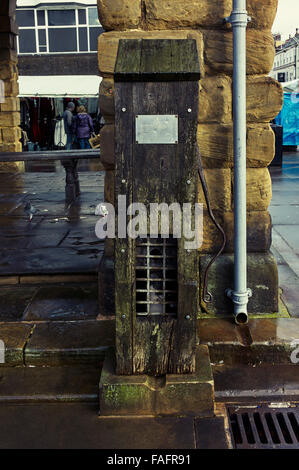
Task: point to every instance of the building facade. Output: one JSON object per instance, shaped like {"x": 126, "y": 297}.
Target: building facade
{"x": 286, "y": 63}
{"x": 57, "y": 38}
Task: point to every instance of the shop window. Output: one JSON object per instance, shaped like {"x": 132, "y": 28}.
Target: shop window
{"x": 93, "y": 38}
{"x": 27, "y": 41}
{"x": 61, "y": 17}
{"x": 42, "y": 40}
{"x": 82, "y": 16}
{"x": 56, "y": 31}
{"x": 83, "y": 44}
{"x": 93, "y": 18}
{"x": 41, "y": 21}
{"x": 62, "y": 40}
{"x": 25, "y": 18}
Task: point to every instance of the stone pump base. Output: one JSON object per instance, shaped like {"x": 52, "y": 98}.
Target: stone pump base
{"x": 170, "y": 395}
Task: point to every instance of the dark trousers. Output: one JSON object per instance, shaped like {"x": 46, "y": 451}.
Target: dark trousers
{"x": 84, "y": 143}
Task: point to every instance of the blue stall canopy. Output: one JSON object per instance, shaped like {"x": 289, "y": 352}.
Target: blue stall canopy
{"x": 289, "y": 115}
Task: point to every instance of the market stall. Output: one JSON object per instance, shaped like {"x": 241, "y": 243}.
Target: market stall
{"x": 43, "y": 101}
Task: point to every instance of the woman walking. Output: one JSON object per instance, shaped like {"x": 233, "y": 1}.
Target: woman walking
{"x": 83, "y": 127}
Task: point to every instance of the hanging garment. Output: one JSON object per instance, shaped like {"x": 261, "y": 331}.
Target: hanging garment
{"x": 60, "y": 137}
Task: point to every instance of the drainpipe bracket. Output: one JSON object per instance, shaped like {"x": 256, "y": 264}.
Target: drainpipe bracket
{"x": 238, "y": 18}
{"x": 239, "y": 298}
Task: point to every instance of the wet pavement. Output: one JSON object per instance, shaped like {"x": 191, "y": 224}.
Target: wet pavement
{"x": 57, "y": 246}
{"x": 60, "y": 238}
{"x": 284, "y": 210}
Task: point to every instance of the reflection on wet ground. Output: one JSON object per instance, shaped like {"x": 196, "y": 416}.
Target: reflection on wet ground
{"x": 284, "y": 210}
{"x": 52, "y": 261}
{"x": 59, "y": 238}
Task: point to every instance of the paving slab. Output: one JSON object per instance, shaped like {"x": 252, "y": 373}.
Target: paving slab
{"x": 63, "y": 303}
{"x": 14, "y": 300}
{"x": 77, "y": 426}
{"x": 256, "y": 384}
{"x": 288, "y": 216}
{"x": 79, "y": 342}
{"x": 211, "y": 434}
{"x": 262, "y": 341}
{"x": 50, "y": 261}
{"x": 30, "y": 247}
{"x": 54, "y": 278}
{"x": 14, "y": 337}
{"x": 49, "y": 384}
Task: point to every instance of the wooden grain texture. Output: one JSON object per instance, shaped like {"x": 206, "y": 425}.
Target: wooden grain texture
{"x": 123, "y": 246}
{"x": 160, "y": 174}
{"x": 153, "y": 345}
{"x": 156, "y": 174}
{"x": 157, "y": 60}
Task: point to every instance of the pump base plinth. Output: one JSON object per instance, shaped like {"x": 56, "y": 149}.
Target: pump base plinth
{"x": 172, "y": 395}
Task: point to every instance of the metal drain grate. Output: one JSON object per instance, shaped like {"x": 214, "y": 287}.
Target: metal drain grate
{"x": 264, "y": 427}
{"x": 156, "y": 276}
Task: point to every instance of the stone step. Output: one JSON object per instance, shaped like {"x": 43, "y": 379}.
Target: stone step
{"x": 42, "y": 279}
{"x": 45, "y": 302}
{"x": 49, "y": 384}
{"x": 262, "y": 341}
{"x": 248, "y": 384}
{"x": 56, "y": 343}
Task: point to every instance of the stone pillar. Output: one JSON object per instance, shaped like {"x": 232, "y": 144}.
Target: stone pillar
{"x": 203, "y": 20}
{"x": 10, "y": 133}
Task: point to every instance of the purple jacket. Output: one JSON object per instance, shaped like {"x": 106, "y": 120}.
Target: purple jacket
{"x": 82, "y": 126}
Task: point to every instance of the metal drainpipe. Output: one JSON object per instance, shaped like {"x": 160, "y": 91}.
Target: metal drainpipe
{"x": 240, "y": 295}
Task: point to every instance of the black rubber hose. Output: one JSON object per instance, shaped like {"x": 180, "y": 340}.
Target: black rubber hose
{"x": 207, "y": 296}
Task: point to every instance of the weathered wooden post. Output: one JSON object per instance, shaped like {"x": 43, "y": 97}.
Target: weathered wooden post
{"x": 158, "y": 367}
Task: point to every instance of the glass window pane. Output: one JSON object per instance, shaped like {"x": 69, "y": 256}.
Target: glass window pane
{"x": 41, "y": 17}
{"x": 93, "y": 37}
{"x": 42, "y": 37}
{"x": 61, "y": 17}
{"x": 27, "y": 42}
{"x": 62, "y": 40}
{"x": 42, "y": 48}
{"x": 83, "y": 39}
{"x": 82, "y": 16}
{"x": 25, "y": 17}
{"x": 93, "y": 17}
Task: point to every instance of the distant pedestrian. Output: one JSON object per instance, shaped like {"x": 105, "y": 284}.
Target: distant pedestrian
{"x": 68, "y": 124}
{"x": 83, "y": 127}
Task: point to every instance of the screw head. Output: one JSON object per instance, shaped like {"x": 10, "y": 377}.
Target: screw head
{"x": 123, "y": 317}
{"x": 124, "y": 110}
{"x": 188, "y": 182}
{"x": 189, "y": 110}
{"x": 122, "y": 250}
{"x": 188, "y": 317}
{"x": 123, "y": 181}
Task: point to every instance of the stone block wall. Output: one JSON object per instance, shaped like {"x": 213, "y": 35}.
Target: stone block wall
{"x": 202, "y": 20}
{"x": 9, "y": 109}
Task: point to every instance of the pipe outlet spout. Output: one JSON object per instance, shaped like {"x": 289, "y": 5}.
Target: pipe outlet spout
{"x": 240, "y": 301}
